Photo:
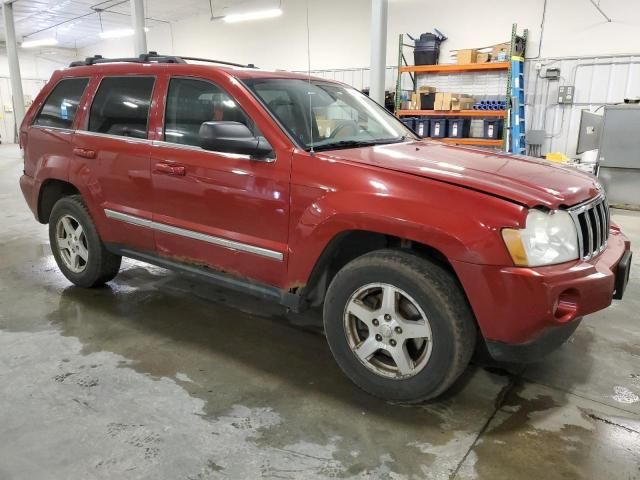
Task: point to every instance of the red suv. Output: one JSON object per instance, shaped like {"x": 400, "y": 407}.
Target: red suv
{"x": 304, "y": 191}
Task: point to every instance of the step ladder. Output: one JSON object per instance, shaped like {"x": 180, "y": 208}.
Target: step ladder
{"x": 517, "y": 143}
{"x": 514, "y": 124}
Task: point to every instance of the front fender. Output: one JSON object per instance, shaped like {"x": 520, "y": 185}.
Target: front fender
{"x": 462, "y": 224}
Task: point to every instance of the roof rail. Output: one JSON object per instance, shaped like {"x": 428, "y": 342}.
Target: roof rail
{"x": 221, "y": 62}
{"x": 152, "y": 57}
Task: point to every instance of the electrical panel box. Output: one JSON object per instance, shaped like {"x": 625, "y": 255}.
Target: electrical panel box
{"x": 535, "y": 137}
{"x": 552, "y": 74}
{"x": 565, "y": 94}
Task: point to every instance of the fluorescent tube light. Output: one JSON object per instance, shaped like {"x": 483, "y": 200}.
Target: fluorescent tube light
{"x": 118, "y": 33}
{"x": 257, "y": 15}
{"x": 41, "y": 42}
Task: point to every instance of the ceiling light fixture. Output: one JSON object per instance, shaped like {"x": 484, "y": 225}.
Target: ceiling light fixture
{"x": 119, "y": 33}
{"x": 40, "y": 42}
{"x": 257, "y": 15}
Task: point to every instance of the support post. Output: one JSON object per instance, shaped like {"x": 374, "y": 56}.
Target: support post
{"x": 14, "y": 65}
{"x": 137, "y": 17}
{"x": 379, "y": 9}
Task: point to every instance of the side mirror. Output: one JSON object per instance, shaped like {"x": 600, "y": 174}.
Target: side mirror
{"x": 233, "y": 137}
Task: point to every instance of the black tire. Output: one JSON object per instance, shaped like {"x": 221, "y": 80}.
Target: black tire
{"x": 436, "y": 291}
{"x": 101, "y": 265}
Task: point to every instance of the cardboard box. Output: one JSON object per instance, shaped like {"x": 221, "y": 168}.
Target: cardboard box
{"x": 425, "y": 89}
{"x": 415, "y": 102}
{"x": 500, "y": 47}
{"x": 453, "y": 101}
{"x": 483, "y": 57}
{"x": 467, "y": 55}
{"x": 325, "y": 127}
{"x": 461, "y": 102}
{"x": 442, "y": 101}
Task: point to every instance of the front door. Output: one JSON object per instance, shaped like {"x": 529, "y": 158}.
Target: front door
{"x": 223, "y": 210}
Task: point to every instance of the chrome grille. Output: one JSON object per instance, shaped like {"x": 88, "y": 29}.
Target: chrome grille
{"x": 592, "y": 220}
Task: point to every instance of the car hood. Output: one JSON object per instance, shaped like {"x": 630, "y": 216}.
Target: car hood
{"x": 525, "y": 180}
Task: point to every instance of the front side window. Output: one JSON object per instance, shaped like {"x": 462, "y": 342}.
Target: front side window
{"x": 121, "y": 106}
{"x": 327, "y": 115}
{"x": 191, "y": 102}
{"x": 59, "y": 110}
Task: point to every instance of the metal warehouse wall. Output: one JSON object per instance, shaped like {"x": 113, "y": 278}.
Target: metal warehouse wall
{"x": 598, "y": 81}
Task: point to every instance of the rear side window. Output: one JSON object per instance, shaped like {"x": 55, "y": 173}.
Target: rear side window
{"x": 61, "y": 105}
{"x": 121, "y": 106}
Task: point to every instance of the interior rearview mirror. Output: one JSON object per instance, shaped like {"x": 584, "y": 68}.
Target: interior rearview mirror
{"x": 233, "y": 137}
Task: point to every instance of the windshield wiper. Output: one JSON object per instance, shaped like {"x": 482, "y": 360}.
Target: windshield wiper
{"x": 356, "y": 143}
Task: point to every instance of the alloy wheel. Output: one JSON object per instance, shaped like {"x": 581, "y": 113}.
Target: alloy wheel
{"x": 388, "y": 331}
{"x": 71, "y": 243}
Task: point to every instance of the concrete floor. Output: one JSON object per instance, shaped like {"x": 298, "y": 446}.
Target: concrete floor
{"x": 159, "y": 377}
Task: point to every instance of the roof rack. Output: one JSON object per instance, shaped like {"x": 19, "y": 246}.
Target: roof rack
{"x": 152, "y": 57}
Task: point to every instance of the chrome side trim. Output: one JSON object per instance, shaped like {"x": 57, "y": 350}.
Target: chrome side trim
{"x": 45, "y": 127}
{"x": 126, "y": 218}
{"x": 115, "y": 137}
{"x": 222, "y": 242}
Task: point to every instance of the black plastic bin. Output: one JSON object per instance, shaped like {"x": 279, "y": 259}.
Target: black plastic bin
{"x": 427, "y": 48}
{"x": 409, "y": 122}
{"x": 459, "y": 127}
{"x": 438, "y": 128}
{"x": 422, "y": 127}
{"x": 427, "y": 100}
{"x": 493, "y": 128}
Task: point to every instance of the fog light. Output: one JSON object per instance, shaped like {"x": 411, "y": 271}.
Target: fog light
{"x": 566, "y": 306}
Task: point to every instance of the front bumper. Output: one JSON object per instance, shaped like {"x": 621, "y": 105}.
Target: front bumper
{"x": 546, "y": 342}
{"x": 517, "y": 306}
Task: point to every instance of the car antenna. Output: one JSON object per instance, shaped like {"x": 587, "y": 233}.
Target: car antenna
{"x": 311, "y": 151}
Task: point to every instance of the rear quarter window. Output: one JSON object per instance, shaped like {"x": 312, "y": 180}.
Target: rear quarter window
{"x": 60, "y": 107}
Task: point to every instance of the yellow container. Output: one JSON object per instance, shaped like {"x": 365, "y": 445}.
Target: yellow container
{"x": 557, "y": 157}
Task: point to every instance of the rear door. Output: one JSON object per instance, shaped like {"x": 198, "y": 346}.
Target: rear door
{"x": 112, "y": 154}
{"x": 224, "y": 210}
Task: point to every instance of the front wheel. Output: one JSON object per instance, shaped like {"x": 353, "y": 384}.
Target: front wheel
{"x": 398, "y": 325}
{"x": 76, "y": 245}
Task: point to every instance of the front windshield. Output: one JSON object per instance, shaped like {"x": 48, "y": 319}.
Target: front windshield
{"x": 328, "y": 115}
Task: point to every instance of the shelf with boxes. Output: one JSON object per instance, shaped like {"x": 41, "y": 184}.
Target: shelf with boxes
{"x": 457, "y": 129}
{"x": 447, "y": 115}
{"x": 485, "y": 118}
{"x": 454, "y": 67}
{"x": 451, "y": 113}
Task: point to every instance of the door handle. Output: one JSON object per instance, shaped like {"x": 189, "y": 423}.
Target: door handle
{"x": 170, "y": 169}
{"x": 84, "y": 152}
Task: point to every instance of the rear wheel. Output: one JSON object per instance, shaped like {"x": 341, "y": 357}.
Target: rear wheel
{"x": 398, "y": 325}
{"x": 76, "y": 245}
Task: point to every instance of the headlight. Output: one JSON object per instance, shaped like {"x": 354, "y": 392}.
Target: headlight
{"x": 547, "y": 238}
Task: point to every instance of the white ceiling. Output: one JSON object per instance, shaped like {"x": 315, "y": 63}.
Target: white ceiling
{"x": 75, "y": 23}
